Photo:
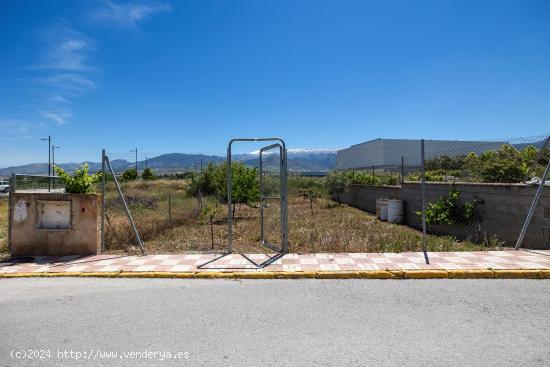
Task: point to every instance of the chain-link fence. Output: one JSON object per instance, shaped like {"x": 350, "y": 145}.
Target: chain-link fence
{"x": 379, "y": 195}
{"x": 477, "y": 191}
{"x": 465, "y": 195}
{"x": 35, "y": 183}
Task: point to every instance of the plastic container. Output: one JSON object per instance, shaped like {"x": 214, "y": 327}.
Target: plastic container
{"x": 395, "y": 211}
{"x": 382, "y": 209}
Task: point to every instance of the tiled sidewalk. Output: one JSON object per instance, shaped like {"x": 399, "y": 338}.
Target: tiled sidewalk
{"x": 340, "y": 262}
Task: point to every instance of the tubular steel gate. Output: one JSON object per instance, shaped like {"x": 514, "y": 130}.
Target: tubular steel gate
{"x": 283, "y": 194}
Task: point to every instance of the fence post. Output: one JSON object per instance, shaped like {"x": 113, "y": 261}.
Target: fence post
{"x": 402, "y": 170}
{"x": 103, "y": 201}
{"x": 532, "y": 208}
{"x": 424, "y": 231}
{"x": 10, "y": 205}
{"x": 229, "y": 201}
{"x": 170, "y": 207}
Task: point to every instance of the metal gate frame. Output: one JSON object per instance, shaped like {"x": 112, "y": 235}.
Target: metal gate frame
{"x": 283, "y": 193}
{"x": 263, "y": 199}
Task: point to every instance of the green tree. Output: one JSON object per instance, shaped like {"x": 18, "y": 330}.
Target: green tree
{"x": 336, "y": 183}
{"x": 80, "y": 182}
{"x": 504, "y": 165}
{"x": 203, "y": 182}
{"x": 148, "y": 174}
{"x": 130, "y": 174}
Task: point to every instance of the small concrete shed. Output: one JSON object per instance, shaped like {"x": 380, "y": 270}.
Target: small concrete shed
{"x": 53, "y": 224}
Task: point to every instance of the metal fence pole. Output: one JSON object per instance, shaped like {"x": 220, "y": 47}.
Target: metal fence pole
{"x": 229, "y": 201}
{"x": 532, "y": 208}
{"x": 284, "y": 176}
{"x": 169, "y": 207}
{"x": 402, "y": 169}
{"x": 49, "y": 164}
{"x": 424, "y": 231}
{"x": 10, "y": 206}
{"x": 103, "y": 201}
{"x": 125, "y": 205}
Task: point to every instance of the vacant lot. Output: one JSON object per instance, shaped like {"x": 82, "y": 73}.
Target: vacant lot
{"x": 318, "y": 226}
{"x": 170, "y": 221}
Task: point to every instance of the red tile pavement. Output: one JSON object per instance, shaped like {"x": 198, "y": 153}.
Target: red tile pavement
{"x": 524, "y": 259}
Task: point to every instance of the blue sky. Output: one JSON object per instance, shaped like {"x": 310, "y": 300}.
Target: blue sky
{"x": 187, "y": 76}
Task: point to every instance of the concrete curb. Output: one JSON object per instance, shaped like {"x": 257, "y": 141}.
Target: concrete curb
{"x": 373, "y": 274}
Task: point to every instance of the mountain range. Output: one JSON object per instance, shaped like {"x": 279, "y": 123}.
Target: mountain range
{"x": 299, "y": 160}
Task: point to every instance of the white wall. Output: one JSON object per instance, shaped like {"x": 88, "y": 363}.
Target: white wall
{"x": 388, "y": 152}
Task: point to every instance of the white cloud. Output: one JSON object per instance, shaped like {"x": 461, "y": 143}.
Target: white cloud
{"x": 15, "y": 130}
{"x": 68, "y": 84}
{"x": 60, "y": 116}
{"x": 129, "y": 14}
{"x": 66, "y": 49}
{"x": 57, "y": 98}
{"x": 65, "y": 71}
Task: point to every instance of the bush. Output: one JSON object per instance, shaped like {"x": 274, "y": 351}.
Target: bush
{"x": 504, "y": 165}
{"x": 130, "y": 174}
{"x": 148, "y": 174}
{"x": 447, "y": 210}
{"x": 204, "y": 182}
{"x": 213, "y": 181}
{"x": 246, "y": 188}
{"x": 300, "y": 184}
{"x": 80, "y": 182}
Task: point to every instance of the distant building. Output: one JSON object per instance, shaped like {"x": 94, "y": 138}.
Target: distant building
{"x": 386, "y": 154}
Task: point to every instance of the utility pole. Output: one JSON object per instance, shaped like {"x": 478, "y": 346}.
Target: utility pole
{"x": 135, "y": 151}
{"x": 49, "y": 139}
{"x": 53, "y": 162}
{"x": 53, "y": 158}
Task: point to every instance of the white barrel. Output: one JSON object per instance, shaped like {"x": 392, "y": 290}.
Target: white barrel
{"x": 382, "y": 209}
{"x": 395, "y": 211}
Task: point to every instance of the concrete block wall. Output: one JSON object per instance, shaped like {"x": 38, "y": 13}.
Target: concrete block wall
{"x": 364, "y": 197}
{"x": 502, "y": 209}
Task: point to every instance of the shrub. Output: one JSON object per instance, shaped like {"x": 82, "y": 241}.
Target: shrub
{"x": 130, "y": 174}
{"x": 80, "y": 182}
{"x": 208, "y": 214}
{"x": 203, "y": 182}
{"x": 447, "y": 210}
{"x": 213, "y": 181}
{"x": 504, "y": 165}
{"x": 300, "y": 183}
{"x": 148, "y": 174}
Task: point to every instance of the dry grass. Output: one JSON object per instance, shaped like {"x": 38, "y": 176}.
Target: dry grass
{"x": 331, "y": 228}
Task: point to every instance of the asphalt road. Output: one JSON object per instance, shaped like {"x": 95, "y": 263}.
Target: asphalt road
{"x": 275, "y": 322}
